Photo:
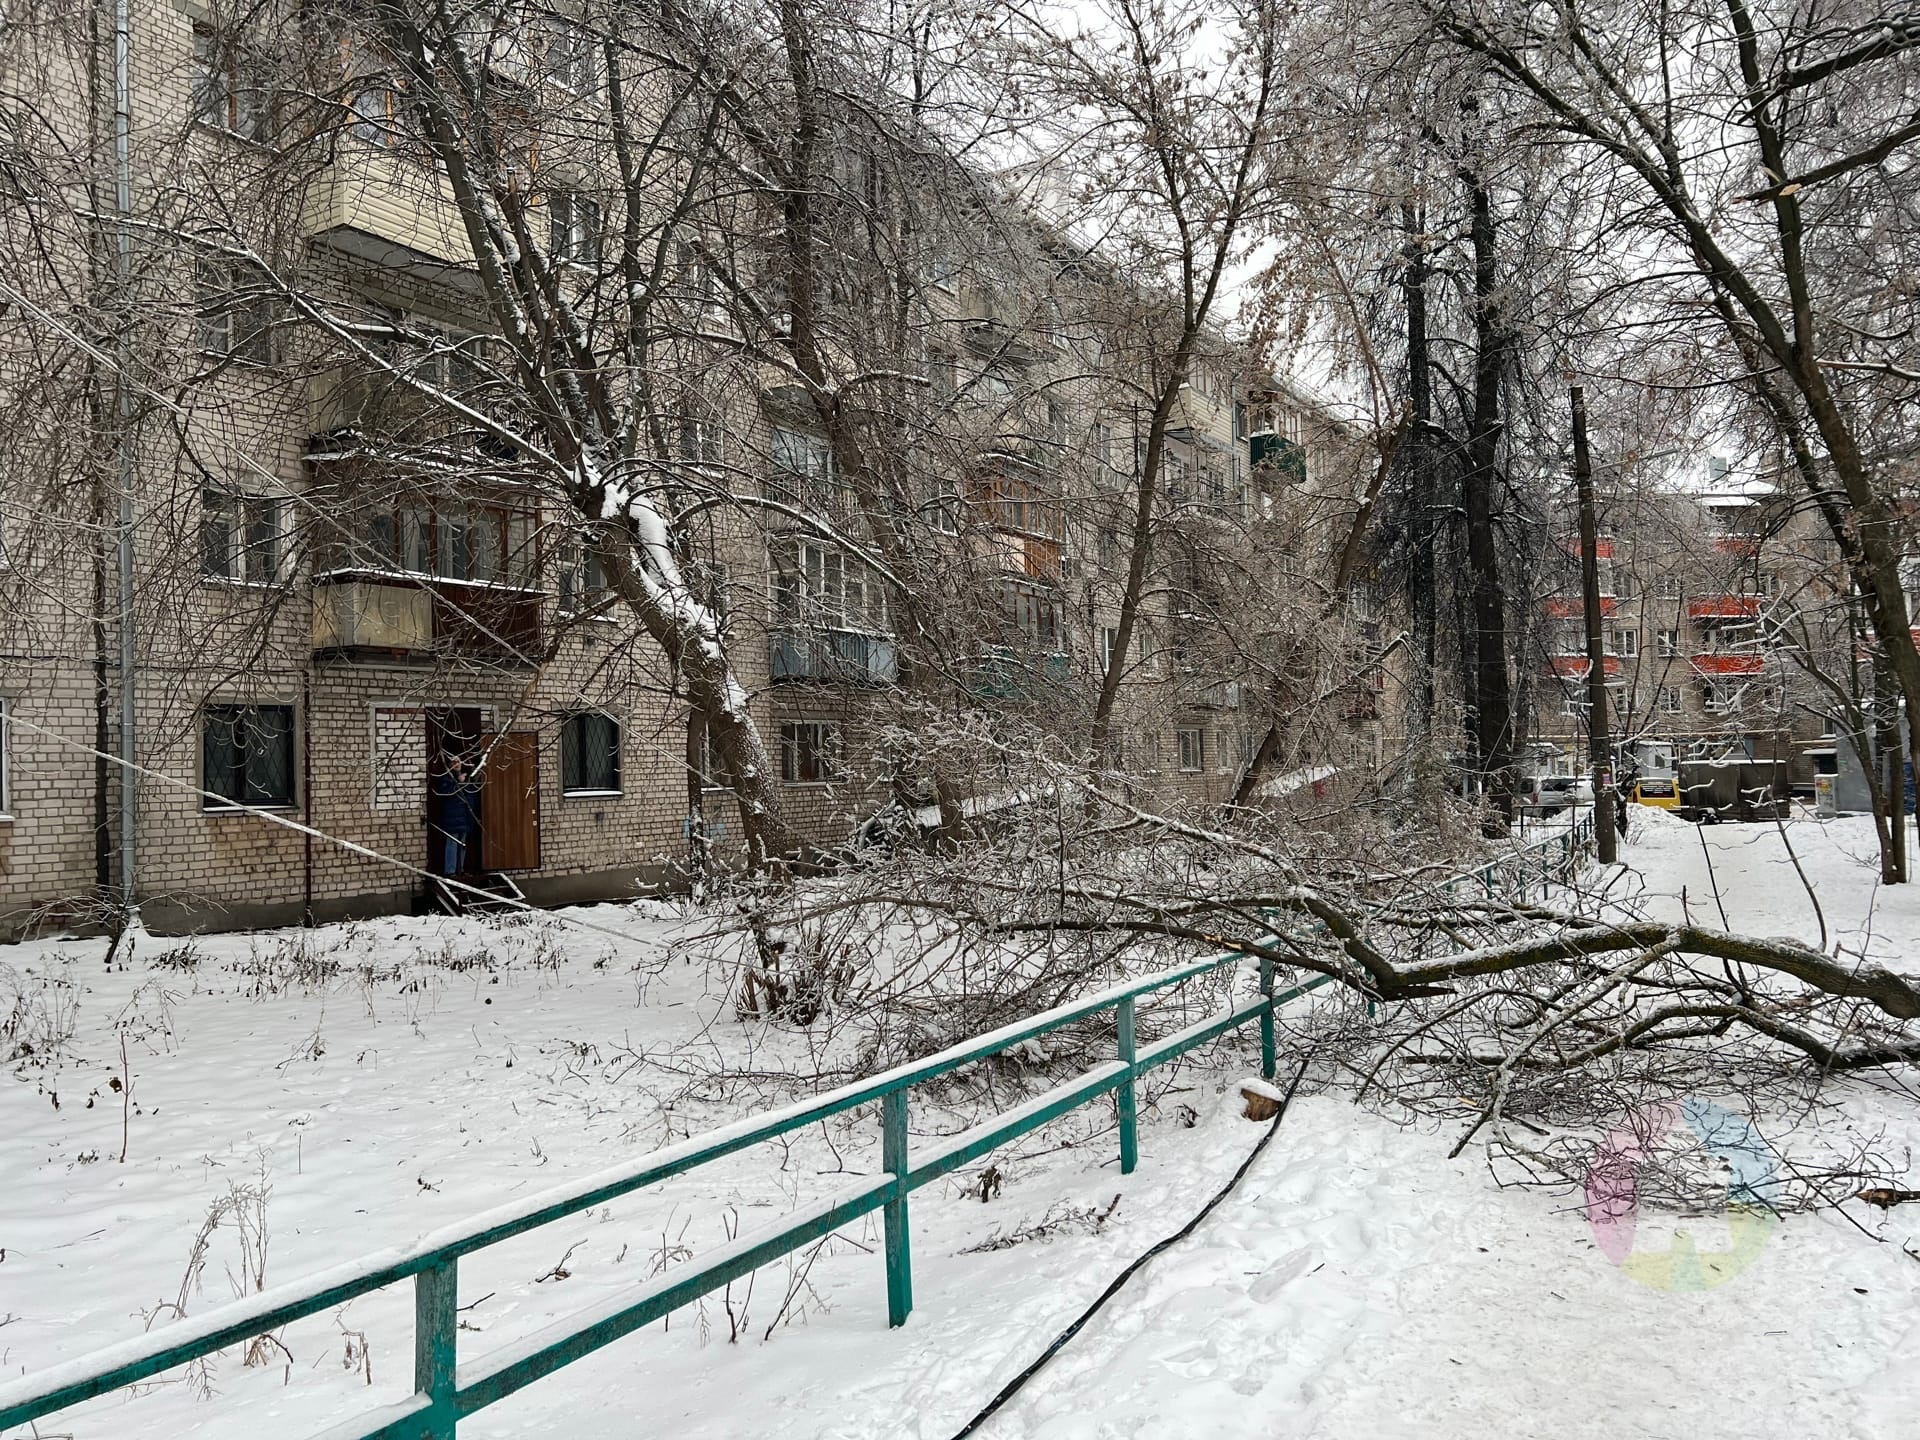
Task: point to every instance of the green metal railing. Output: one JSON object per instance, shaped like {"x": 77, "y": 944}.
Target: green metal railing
{"x": 1554, "y": 860}
{"x": 446, "y": 1389}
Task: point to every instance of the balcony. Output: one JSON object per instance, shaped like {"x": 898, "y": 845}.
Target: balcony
{"x": 1722, "y": 609}
{"x": 1573, "y": 609}
{"x": 1286, "y": 458}
{"x": 1574, "y": 667}
{"x": 1710, "y": 666}
{"x": 1003, "y": 673}
{"x": 393, "y": 210}
{"x": 419, "y": 619}
{"x": 832, "y": 657}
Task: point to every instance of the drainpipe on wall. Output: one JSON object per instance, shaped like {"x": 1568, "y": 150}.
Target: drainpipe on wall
{"x": 123, "y": 445}
{"x": 306, "y": 792}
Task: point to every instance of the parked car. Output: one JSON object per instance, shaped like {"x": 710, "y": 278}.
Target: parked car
{"x": 1560, "y": 792}
{"x": 1660, "y": 791}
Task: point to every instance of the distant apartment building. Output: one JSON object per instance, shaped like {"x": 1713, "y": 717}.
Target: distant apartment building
{"x": 1717, "y": 599}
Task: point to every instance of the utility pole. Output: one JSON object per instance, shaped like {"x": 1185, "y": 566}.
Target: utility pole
{"x": 1600, "y": 740}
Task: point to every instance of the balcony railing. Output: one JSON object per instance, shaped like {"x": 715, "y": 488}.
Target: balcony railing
{"x": 833, "y": 657}
{"x": 375, "y": 615}
{"x": 1003, "y": 673}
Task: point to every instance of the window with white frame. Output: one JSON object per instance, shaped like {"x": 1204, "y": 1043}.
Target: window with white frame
{"x": 228, "y": 89}
{"x": 239, "y": 537}
{"x": 574, "y": 228}
{"x": 581, "y": 580}
{"x": 1193, "y": 748}
{"x": 1109, "y": 643}
{"x": 1715, "y": 697}
{"x": 1626, "y": 644}
{"x": 818, "y": 585}
{"x": 809, "y": 752}
{"x": 590, "y": 754}
{"x": 1573, "y": 703}
{"x": 233, "y": 312}
{"x": 571, "y": 57}
{"x": 1669, "y": 644}
{"x": 802, "y": 466}
{"x": 696, "y": 432}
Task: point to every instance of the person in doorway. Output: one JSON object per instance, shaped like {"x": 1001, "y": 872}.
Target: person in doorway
{"x": 459, "y": 795}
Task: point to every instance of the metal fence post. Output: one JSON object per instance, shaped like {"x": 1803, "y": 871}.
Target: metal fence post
{"x": 436, "y": 1327}
{"x": 1129, "y": 1113}
{"x": 1266, "y": 1019}
{"x": 893, "y": 1150}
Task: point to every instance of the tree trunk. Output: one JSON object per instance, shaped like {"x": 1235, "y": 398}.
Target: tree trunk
{"x": 1493, "y": 719}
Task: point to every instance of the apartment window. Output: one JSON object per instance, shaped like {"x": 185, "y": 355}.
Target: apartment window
{"x": 804, "y": 464}
{"x": 571, "y": 57}
{"x": 590, "y": 754}
{"x": 582, "y": 580}
{"x": 809, "y": 752}
{"x": 1623, "y": 583}
{"x": 1109, "y": 644}
{"x": 1103, "y": 445}
{"x": 1669, "y": 699}
{"x": 246, "y": 755}
{"x": 1715, "y": 697}
{"x": 1626, "y": 644}
{"x": 479, "y": 543}
{"x": 1030, "y": 614}
{"x": 712, "y": 771}
{"x": 239, "y": 537}
{"x": 227, "y": 90}
{"x": 818, "y": 585}
{"x": 696, "y": 432}
{"x": 452, "y": 360}
{"x": 234, "y": 314}
{"x": 1669, "y": 644}
{"x": 1573, "y": 704}
{"x": 1669, "y": 587}
{"x": 1193, "y": 749}
{"x": 575, "y": 221}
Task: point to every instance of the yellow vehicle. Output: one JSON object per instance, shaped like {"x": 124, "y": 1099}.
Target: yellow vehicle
{"x": 1661, "y": 792}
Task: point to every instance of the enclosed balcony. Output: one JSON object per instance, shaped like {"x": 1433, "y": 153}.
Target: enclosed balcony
{"x": 1002, "y": 672}
{"x": 371, "y": 615}
{"x": 1724, "y": 609}
{"x": 832, "y": 657}
{"x": 386, "y": 205}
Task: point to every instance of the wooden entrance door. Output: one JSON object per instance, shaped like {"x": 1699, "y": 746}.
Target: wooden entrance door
{"x": 510, "y": 801}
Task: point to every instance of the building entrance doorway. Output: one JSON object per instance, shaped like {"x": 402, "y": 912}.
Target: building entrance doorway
{"x": 455, "y": 822}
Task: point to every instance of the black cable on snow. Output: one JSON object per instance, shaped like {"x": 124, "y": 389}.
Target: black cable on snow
{"x": 1014, "y": 1386}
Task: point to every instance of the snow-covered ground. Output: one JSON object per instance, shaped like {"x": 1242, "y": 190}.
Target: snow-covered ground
{"x": 385, "y": 1079}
